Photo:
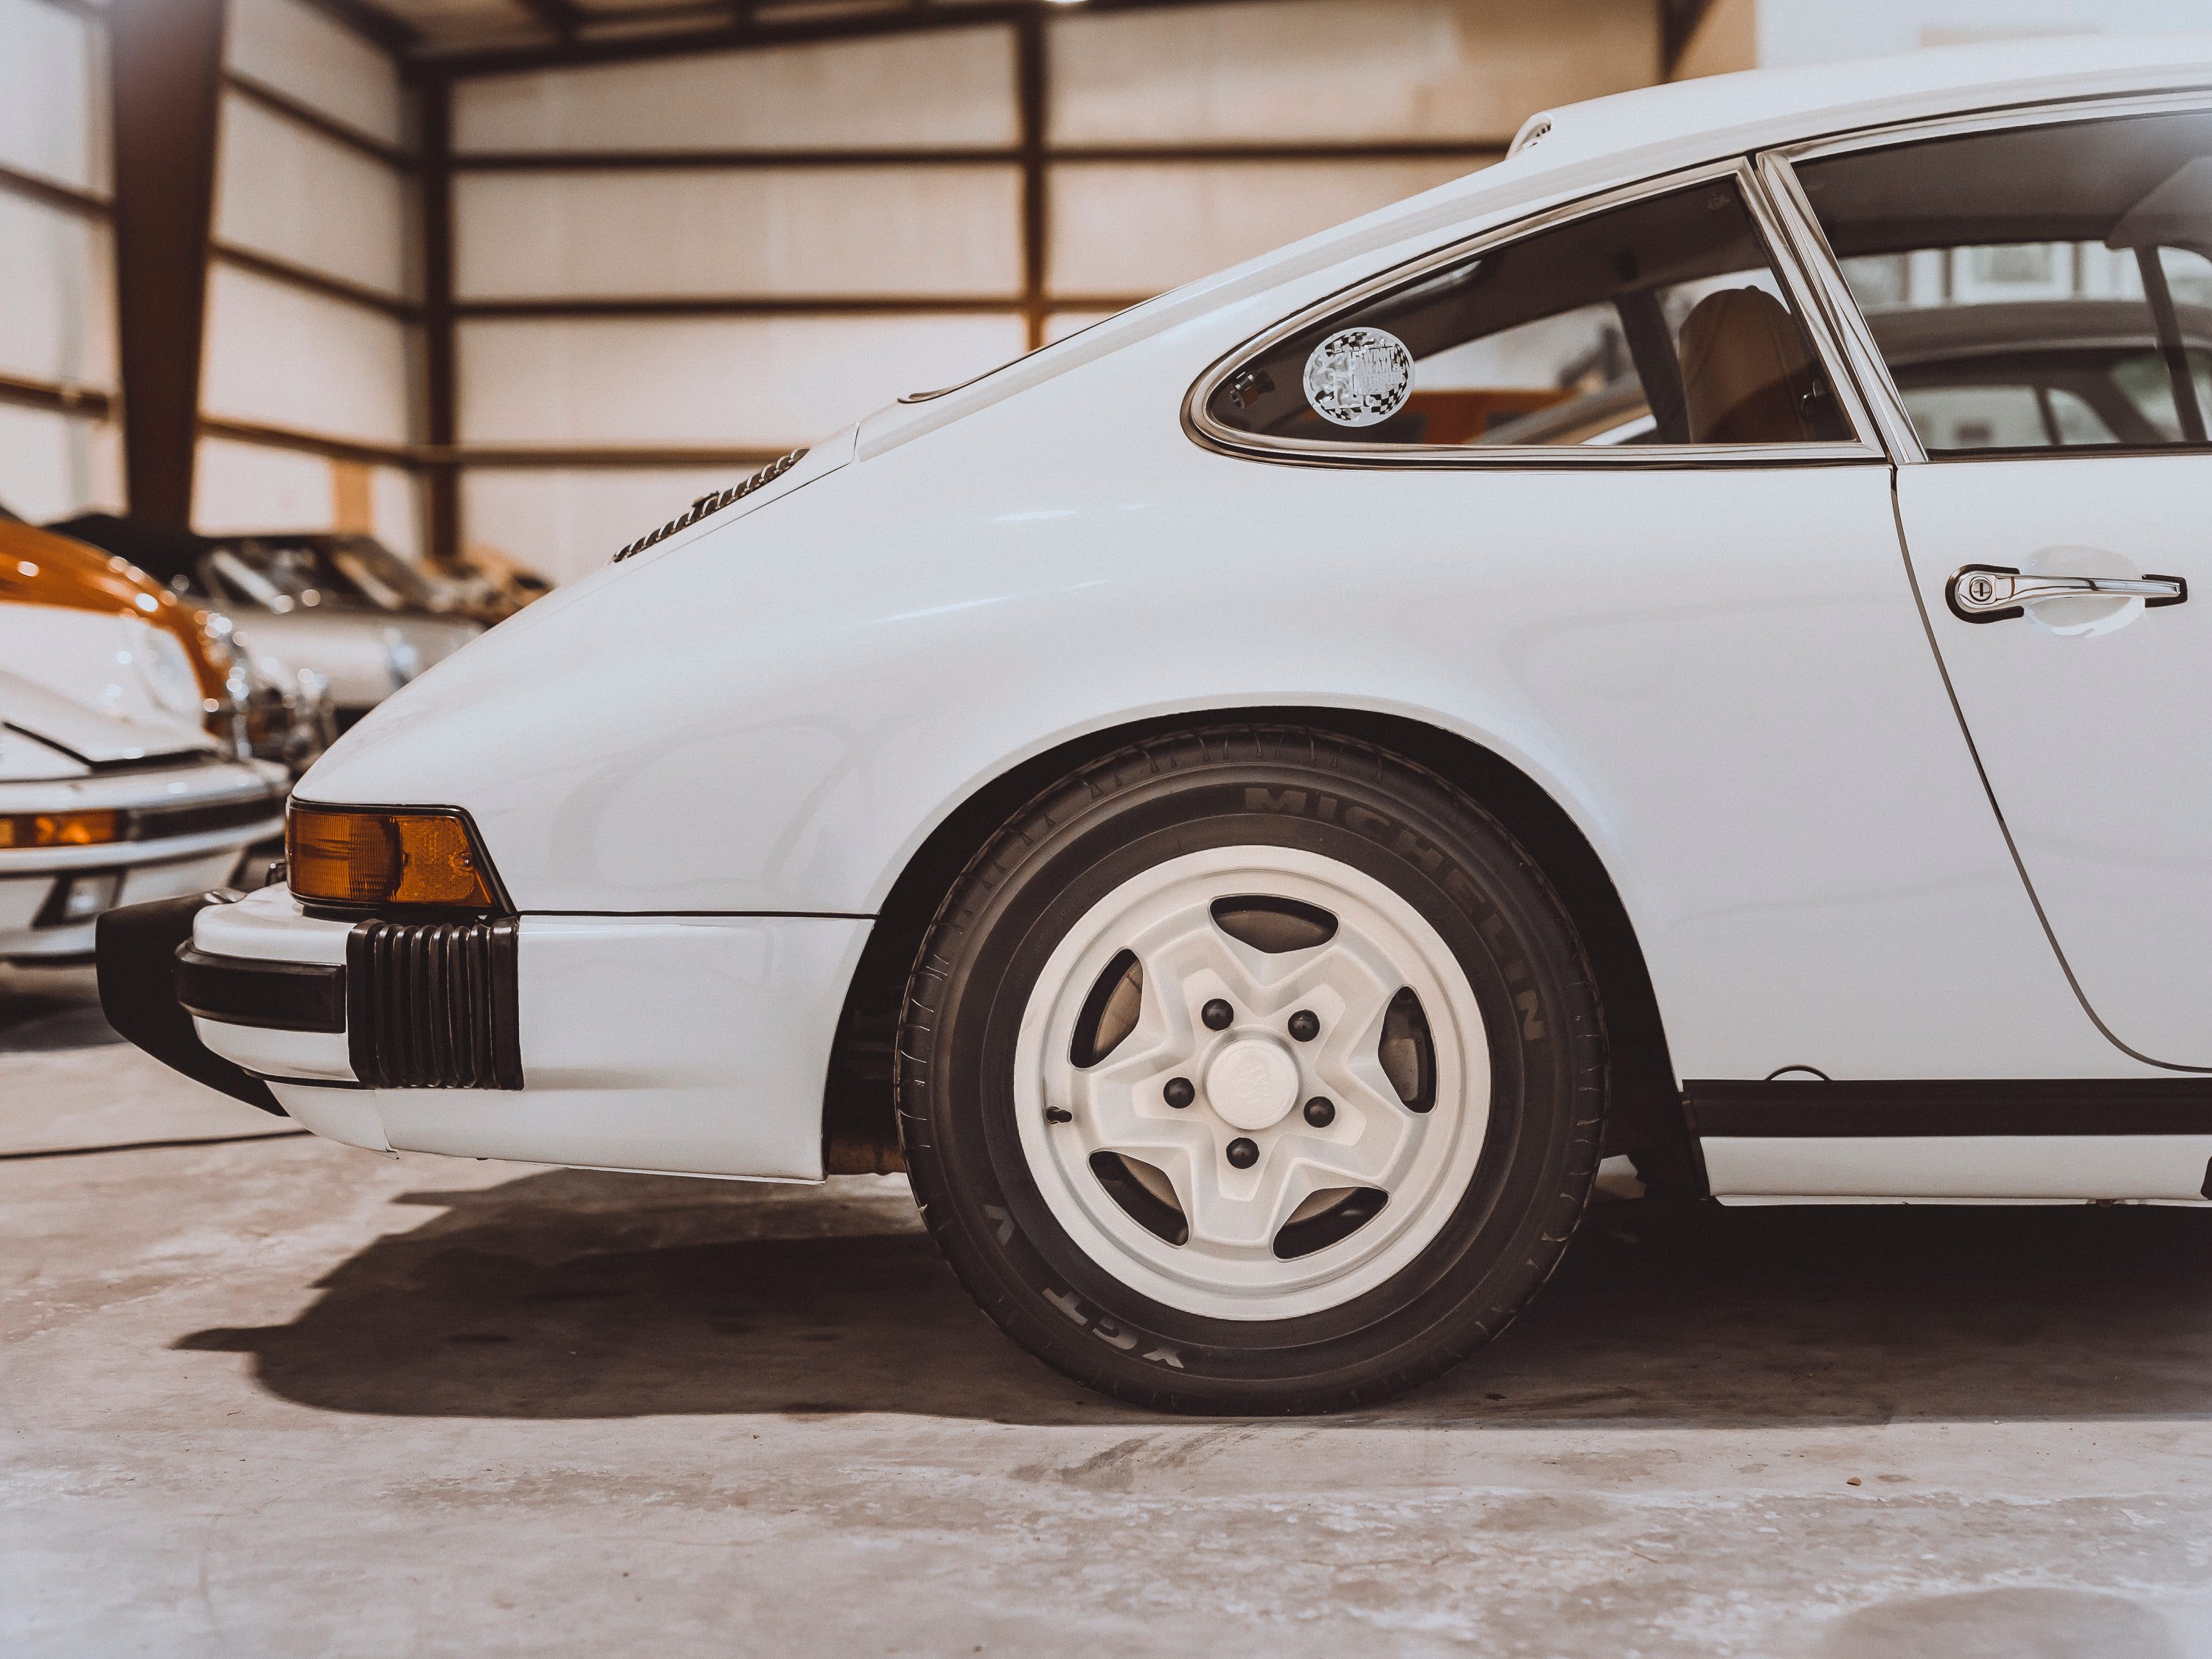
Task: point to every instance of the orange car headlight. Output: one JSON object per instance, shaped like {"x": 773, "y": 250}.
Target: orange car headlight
{"x": 336, "y": 856}
{"x": 59, "y": 828}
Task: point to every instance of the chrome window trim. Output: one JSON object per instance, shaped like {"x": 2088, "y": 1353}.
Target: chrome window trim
{"x": 1209, "y": 433}
{"x": 1841, "y": 311}
{"x": 1778, "y": 166}
{"x": 2179, "y": 101}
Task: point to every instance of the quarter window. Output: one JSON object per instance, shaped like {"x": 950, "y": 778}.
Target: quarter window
{"x": 2045, "y": 287}
{"x": 1658, "y": 323}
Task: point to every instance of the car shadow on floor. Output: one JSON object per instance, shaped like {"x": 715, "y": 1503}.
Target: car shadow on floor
{"x": 575, "y": 1294}
{"x": 44, "y": 1009}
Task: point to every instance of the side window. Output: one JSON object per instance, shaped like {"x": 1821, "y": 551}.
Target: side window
{"x": 1658, "y": 323}
{"x": 2047, "y": 288}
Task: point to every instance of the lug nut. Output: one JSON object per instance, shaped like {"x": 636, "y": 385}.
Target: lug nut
{"x": 1321, "y": 1111}
{"x": 1304, "y": 1026}
{"x": 1179, "y": 1093}
{"x": 1242, "y": 1154}
{"x": 1216, "y": 1014}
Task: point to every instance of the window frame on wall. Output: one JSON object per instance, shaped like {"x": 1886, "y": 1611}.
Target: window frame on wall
{"x": 1777, "y": 169}
{"x": 1809, "y": 303}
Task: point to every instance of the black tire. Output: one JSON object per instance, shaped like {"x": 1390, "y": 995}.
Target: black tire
{"x": 1234, "y": 785}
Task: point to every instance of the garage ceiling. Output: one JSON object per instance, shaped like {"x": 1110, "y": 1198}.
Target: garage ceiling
{"x": 470, "y": 34}
{"x": 476, "y": 36}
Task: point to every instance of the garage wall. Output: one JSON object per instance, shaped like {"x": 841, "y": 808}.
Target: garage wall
{"x": 667, "y": 272}
{"x": 1741, "y": 34}
{"x": 1803, "y": 32}
{"x": 57, "y": 324}
{"x": 313, "y": 339}
{"x": 674, "y": 268}
{"x": 747, "y": 306}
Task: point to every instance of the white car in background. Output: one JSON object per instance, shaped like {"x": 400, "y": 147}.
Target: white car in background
{"x": 98, "y": 810}
{"x": 344, "y": 608}
{"x": 1254, "y": 846}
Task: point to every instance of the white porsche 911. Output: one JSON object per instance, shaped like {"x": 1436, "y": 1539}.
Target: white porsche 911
{"x": 1677, "y": 646}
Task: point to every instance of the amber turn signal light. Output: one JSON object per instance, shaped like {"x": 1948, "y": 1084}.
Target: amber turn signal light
{"x": 59, "y": 828}
{"x": 383, "y": 858}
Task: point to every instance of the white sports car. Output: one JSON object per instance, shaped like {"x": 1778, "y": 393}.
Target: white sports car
{"x": 1253, "y": 813}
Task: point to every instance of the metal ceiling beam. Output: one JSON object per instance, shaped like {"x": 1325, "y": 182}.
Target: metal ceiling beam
{"x": 372, "y": 22}
{"x": 746, "y": 30}
{"x": 306, "y": 115}
{"x": 671, "y": 160}
{"x": 563, "y": 17}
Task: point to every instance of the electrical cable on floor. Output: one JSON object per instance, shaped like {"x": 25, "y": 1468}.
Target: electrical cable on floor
{"x": 152, "y": 1146}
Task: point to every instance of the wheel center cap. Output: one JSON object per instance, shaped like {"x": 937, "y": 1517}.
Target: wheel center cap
{"x": 1252, "y": 1084}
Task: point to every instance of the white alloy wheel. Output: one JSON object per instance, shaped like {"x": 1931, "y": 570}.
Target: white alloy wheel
{"x": 1250, "y": 1202}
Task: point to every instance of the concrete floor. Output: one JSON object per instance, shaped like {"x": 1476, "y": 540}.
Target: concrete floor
{"x": 280, "y": 1397}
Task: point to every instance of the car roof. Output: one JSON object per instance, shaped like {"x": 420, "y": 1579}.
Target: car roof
{"x": 1727, "y": 115}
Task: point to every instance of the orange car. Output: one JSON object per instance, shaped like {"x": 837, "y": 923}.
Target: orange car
{"x": 126, "y": 728}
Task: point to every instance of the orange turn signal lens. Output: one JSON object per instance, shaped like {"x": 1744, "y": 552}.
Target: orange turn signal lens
{"x": 59, "y": 828}
{"x": 383, "y": 858}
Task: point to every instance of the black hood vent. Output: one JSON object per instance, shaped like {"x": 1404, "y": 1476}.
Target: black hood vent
{"x": 710, "y": 504}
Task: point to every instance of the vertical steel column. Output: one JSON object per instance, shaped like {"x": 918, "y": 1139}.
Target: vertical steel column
{"x": 441, "y": 476}
{"x": 165, "y": 61}
{"x": 1678, "y": 22}
{"x": 1031, "y": 90}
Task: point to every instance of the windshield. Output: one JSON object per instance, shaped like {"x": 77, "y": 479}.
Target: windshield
{"x": 382, "y": 575}
{"x": 348, "y": 571}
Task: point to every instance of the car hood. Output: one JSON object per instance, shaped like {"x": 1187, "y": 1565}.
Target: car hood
{"x": 44, "y": 733}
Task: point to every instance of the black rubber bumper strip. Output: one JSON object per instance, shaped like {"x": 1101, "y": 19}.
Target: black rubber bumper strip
{"x": 138, "y": 954}
{"x": 152, "y": 1146}
{"x": 277, "y": 996}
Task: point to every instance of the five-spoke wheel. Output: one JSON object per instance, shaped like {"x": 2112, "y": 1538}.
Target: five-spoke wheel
{"x": 1251, "y": 1069}
{"x": 1173, "y": 1046}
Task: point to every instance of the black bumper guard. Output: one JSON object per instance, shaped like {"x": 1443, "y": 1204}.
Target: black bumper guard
{"x": 135, "y": 947}
{"x": 422, "y": 1005}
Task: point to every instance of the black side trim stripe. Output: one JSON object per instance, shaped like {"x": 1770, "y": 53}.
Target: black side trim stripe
{"x": 2039, "y": 1106}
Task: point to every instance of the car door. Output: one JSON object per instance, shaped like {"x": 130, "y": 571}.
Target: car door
{"x": 2038, "y": 292}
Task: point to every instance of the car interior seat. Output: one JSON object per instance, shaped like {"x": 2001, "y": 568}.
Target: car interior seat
{"x": 1746, "y": 376}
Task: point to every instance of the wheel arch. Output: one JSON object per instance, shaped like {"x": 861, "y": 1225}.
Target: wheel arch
{"x": 1643, "y": 1113}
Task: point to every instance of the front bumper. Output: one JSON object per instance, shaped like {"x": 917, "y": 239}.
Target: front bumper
{"x": 696, "y": 1045}
{"x": 188, "y": 829}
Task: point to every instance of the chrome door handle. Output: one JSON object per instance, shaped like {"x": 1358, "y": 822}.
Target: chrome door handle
{"x": 1991, "y": 592}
